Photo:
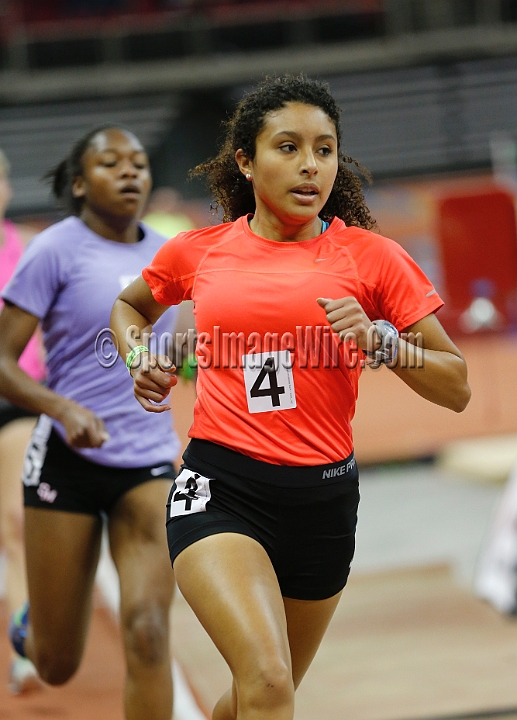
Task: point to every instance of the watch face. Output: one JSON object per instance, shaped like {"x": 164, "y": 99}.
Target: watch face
{"x": 388, "y": 335}
{"x": 386, "y": 328}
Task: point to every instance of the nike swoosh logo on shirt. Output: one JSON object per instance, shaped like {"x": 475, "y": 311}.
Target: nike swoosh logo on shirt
{"x": 320, "y": 259}
{"x": 431, "y": 292}
{"x": 159, "y": 470}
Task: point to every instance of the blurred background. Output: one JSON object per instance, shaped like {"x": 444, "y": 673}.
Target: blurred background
{"x": 428, "y": 91}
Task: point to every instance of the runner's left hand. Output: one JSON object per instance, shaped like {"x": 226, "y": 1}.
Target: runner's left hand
{"x": 348, "y": 319}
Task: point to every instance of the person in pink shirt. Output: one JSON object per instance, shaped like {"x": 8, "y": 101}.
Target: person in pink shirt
{"x": 16, "y": 426}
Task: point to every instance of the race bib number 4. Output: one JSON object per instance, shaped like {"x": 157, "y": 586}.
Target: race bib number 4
{"x": 190, "y": 493}
{"x": 268, "y": 378}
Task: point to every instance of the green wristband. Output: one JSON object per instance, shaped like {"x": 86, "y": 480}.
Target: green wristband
{"x": 134, "y": 353}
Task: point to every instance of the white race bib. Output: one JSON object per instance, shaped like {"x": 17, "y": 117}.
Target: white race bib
{"x": 269, "y": 381}
{"x": 190, "y": 493}
{"x": 36, "y": 452}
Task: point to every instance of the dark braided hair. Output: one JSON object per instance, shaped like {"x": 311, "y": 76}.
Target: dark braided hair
{"x": 62, "y": 176}
{"x": 234, "y": 194}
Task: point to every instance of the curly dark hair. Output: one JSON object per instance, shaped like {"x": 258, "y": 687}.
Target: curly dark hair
{"x": 234, "y": 194}
{"x": 62, "y": 176}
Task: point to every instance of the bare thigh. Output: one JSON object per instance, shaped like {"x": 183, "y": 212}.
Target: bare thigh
{"x": 307, "y": 621}
{"x": 229, "y": 582}
{"x": 14, "y": 438}
{"x": 62, "y": 551}
{"x": 139, "y": 548}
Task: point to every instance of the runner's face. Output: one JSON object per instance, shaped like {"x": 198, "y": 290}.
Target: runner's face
{"x": 116, "y": 178}
{"x": 295, "y": 163}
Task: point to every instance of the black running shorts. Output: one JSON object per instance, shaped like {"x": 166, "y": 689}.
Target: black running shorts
{"x": 304, "y": 517}
{"x": 57, "y": 478}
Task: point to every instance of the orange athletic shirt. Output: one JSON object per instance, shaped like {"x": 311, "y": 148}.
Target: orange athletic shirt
{"x": 265, "y": 293}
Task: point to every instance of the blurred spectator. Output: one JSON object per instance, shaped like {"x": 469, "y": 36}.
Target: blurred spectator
{"x": 16, "y": 426}
{"x": 166, "y": 213}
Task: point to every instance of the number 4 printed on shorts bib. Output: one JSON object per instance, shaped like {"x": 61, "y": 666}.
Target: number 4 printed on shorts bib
{"x": 268, "y": 378}
{"x": 190, "y": 493}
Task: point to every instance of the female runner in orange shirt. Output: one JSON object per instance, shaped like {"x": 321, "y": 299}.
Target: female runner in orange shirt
{"x": 292, "y": 293}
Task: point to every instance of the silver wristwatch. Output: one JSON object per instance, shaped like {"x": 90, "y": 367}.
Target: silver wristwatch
{"x": 389, "y": 337}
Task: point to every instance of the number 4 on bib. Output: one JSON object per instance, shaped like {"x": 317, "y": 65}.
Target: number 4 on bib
{"x": 268, "y": 378}
{"x": 190, "y": 493}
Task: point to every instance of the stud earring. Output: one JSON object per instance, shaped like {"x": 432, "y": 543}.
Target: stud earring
{"x": 248, "y": 176}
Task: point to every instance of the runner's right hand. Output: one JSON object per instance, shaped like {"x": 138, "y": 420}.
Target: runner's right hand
{"x": 153, "y": 378}
{"x": 82, "y": 427}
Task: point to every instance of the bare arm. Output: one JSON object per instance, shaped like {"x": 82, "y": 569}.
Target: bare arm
{"x": 436, "y": 371}
{"x": 82, "y": 427}
{"x": 133, "y": 315}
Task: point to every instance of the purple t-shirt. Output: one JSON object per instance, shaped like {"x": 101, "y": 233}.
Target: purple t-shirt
{"x": 69, "y": 277}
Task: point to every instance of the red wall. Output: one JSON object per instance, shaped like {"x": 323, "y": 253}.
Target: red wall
{"x": 478, "y": 242}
